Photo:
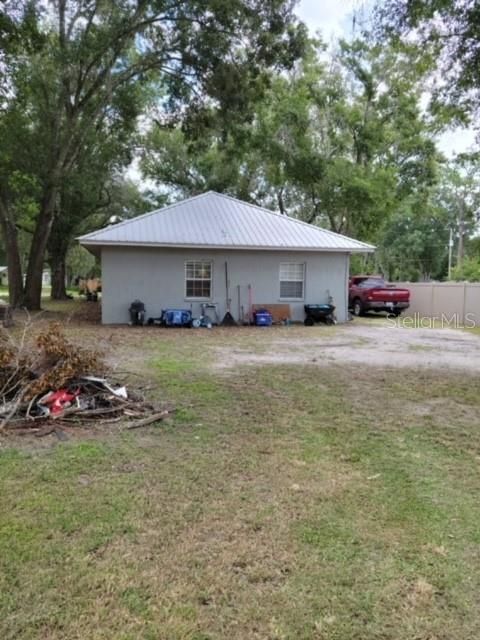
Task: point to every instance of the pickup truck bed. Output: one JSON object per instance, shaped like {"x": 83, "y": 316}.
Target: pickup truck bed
{"x": 371, "y": 293}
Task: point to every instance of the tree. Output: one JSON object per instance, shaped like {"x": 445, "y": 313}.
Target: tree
{"x": 413, "y": 245}
{"x": 93, "y": 181}
{"x": 81, "y": 56}
{"x": 473, "y": 246}
{"x": 468, "y": 271}
{"x": 458, "y": 194}
{"x": 120, "y": 199}
{"x": 186, "y": 167}
{"x": 451, "y": 29}
{"x": 339, "y": 144}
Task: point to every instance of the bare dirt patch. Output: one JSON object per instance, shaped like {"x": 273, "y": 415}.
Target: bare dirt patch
{"x": 359, "y": 343}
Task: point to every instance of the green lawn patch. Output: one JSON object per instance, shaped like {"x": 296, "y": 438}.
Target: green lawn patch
{"x": 285, "y": 502}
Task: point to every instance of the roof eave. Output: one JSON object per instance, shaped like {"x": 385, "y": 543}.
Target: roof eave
{"x": 155, "y": 245}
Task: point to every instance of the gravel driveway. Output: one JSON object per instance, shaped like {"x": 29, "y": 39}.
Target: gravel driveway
{"x": 367, "y": 342}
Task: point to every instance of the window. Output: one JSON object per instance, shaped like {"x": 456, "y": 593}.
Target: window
{"x": 292, "y": 278}
{"x": 198, "y": 279}
{"x": 368, "y": 283}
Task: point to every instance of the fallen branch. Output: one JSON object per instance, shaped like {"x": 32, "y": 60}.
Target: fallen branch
{"x": 14, "y": 409}
{"x": 157, "y": 417}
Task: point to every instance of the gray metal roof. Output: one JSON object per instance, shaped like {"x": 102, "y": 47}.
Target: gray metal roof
{"x": 213, "y": 220}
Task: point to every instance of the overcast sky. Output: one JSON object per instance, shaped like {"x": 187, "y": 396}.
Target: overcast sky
{"x": 334, "y": 18}
{"x": 331, "y": 17}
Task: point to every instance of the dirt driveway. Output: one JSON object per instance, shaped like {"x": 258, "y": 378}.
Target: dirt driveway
{"x": 365, "y": 342}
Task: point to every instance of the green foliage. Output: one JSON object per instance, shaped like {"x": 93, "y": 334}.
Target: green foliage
{"x": 451, "y": 30}
{"x": 473, "y": 247}
{"x": 340, "y": 144}
{"x": 80, "y": 261}
{"x": 468, "y": 271}
{"x": 414, "y": 243}
{"x": 76, "y": 77}
{"x": 237, "y": 100}
{"x": 363, "y": 264}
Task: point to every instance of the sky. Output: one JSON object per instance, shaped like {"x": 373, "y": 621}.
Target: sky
{"x": 334, "y": 18}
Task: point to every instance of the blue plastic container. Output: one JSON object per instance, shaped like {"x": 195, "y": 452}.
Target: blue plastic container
{"x": 177, "y": 317}
{"x": 263, "y": 318}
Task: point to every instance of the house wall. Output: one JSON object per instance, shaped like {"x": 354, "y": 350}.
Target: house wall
{"x": 46, "y": 279}
{"x": 157, "y": 277}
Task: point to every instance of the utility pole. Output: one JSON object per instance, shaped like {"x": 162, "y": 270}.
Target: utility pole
{"x": 450, "y": 251}
{"x": 461, "y": 236}
{"x": 461, "y": 244}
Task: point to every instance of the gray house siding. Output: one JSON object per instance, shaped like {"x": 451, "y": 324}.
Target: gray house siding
{"x": 157, "y": 277}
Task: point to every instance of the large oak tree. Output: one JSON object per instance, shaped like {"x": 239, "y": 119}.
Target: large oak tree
{"x": 65, "y": 64}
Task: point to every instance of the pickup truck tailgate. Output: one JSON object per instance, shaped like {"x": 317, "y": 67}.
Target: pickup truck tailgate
{"x": 388, "y": 295}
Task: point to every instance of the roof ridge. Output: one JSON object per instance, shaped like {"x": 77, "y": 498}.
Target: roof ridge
{"x": 144, "y": 215}
{"x": 284, "y": 215}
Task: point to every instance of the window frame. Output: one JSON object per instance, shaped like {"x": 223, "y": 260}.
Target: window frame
{"x": 303, "y": 280}
{"x": 194, "y": 262}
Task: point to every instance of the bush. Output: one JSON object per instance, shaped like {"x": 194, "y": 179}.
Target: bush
{"x": 469, "y": 271}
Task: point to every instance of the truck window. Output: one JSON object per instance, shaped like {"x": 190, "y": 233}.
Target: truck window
{"x": 372, "y": 282}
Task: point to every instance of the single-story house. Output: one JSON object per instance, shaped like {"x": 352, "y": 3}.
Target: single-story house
{"x": 46, "y": 277}
{"x": 184, "y": 255}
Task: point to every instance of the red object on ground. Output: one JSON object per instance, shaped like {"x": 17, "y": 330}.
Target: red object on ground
{"x": 58, "y": 401}
{"x": 372, "y": 293}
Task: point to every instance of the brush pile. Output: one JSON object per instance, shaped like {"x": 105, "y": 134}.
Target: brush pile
{"x": 54, "y": 382}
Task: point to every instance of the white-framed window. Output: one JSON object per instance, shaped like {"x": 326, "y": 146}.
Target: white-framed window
{"x": 292, "y": 280}
{"x": 198, "y": 279}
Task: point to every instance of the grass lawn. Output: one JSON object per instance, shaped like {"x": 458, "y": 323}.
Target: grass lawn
{"x": 3, "y": 292}
{"x": 282, "y": 502}
{"x": 45, "y": 292}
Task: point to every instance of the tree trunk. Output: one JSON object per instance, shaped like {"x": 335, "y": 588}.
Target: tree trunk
{"x": 57, "y": 248}
{"x": 14, "y": 264}
{"x": 36, "y": 258}
{"x": 281, "y": 204}
{"x": 58, "y": 268}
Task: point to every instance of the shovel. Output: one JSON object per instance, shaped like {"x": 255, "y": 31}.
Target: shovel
{"x": 228, "y": 319}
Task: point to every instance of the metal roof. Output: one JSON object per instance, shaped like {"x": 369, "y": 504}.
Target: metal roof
{"x": 213, "y": 220}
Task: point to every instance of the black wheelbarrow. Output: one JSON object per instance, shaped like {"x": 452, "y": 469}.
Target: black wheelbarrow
{"x": 319, "y": 313}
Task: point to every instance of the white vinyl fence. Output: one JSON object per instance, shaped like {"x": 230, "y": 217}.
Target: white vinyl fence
{"x": 449, "y": 303}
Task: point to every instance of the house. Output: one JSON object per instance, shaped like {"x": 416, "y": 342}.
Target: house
{"x": 46, "y": 277}
{"x": 184, "y": 255}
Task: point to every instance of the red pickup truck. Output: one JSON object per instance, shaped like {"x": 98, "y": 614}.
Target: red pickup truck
{"x": 371, "y": 293}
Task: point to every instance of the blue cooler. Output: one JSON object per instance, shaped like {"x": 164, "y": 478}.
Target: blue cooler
{"x": 177, "y": 317}
{"x": 263, "y": 318}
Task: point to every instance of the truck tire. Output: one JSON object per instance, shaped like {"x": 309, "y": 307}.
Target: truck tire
{"x": 357, "y": 307}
